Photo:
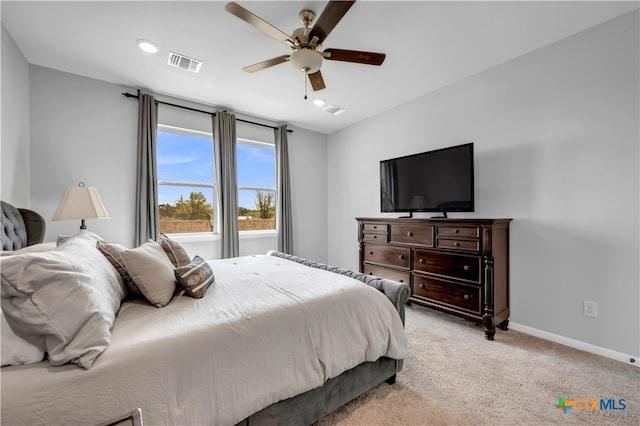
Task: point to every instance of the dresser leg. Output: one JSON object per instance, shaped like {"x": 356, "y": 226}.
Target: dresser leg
{"x": 504, "y": 325}
{"x": 489, "y": 327}
{"x": 489, "y": 333}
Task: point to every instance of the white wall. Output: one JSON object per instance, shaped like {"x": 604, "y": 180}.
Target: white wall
{"x": 556, "y": 143}
{"x": 14, "y": 142}
{"x": 83, "y": 129}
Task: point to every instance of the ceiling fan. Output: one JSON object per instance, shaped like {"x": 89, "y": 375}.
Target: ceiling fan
{"x": 306, "y": 42}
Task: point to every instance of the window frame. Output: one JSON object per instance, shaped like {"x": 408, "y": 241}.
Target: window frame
{"x": 274, "y": 189}
{"x": 213, "y": 185}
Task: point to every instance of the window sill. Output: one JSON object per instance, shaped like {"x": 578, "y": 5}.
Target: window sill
{"x": 209, "y": 236}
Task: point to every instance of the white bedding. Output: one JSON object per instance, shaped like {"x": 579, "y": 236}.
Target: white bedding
{"x": 268, "y": 329}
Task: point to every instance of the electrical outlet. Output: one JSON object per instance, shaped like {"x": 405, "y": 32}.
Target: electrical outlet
{"x": 590, "y": 309}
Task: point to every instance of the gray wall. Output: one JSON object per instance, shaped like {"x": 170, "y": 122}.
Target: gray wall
{"x": 556, "y": 142}
{"x": 14, "y": 141}
{"x": 83, "y": 130}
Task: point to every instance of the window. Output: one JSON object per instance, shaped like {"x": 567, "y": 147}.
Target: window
{"x": 186, "y": 185}
{"x": 256, "y": 185}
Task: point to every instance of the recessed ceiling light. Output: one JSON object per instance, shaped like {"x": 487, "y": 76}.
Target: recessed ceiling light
{"x": 318, "y": 102}
{"x": 148, "y": 46}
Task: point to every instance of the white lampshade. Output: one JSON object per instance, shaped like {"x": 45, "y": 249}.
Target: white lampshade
{"x": 81, "y": 203}
{"x": 307, "y": 60}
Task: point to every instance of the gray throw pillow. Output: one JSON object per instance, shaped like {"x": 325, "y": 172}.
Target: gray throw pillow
{"x": 176, "y": 253}
{"x": 152, "y": 272}
{"x": 113, "y": 253}
{"x": 195, "y": 277}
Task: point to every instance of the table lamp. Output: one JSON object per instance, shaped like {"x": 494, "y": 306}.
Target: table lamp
{"x": 81, "y": 202}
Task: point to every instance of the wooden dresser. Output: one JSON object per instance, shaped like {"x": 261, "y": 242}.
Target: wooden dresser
{"x": 460, "y": 266}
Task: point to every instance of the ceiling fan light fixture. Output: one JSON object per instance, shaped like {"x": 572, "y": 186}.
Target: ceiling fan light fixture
{"x": 306, "y": 60}
{"x": 319, "y": 102}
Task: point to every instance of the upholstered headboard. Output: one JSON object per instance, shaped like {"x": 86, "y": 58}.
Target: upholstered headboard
{"x": 21, "y": 227}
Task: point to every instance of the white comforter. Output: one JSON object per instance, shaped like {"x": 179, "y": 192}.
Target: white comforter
{"x": 267, "y": 330}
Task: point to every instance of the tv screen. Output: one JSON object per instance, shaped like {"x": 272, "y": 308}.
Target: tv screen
{"x": 433, "y": 181}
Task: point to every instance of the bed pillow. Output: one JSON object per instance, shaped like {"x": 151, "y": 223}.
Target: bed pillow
{"x": 195, "y": 277}
{"x": 16, "y": 350}
{"x": 175, "y": 251}
{"x": 152, "y": 272}
{"x": 113, "y": 253}
{"x": 68, "y": 296}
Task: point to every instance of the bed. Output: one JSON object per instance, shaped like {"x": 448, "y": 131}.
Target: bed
{"x": 275, "y": 339}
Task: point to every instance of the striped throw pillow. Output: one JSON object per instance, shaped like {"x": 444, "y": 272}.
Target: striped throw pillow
{"x": 195, "y": 277}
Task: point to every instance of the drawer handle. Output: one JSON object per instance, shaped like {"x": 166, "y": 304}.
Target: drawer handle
{"x": 422, "y": 286}
{"x": 409, "y": 234}
{"x": 370, "y": 273}
{"x": 371, "y": 252}
{"x": 465, "y": 267}
{"x": 468, "y": 296}
{"x": 456, "y": 244}
{"x": 401, "y": 281}
{"x": 375, "y": 236}
{"x": 375, "y": 227}
{"x": 456, "y": 231}
{"x": 401, "y": 257}
{"x": 422, "y": 260}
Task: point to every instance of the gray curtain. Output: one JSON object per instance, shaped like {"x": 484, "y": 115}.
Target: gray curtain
{"x": 283, "y": 210}
{"x": 224, "y": 134}
{"x": 147, "y": 215}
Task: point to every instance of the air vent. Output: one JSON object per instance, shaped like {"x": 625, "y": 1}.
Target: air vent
{"x": 334, "y": 109}
{"x": 180, "y": 61}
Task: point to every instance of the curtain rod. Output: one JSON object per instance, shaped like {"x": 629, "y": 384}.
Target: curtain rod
{"x": 130, "y": 95}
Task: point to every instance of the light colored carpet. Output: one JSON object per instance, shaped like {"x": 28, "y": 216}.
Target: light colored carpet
{"x": 453, "y": 375}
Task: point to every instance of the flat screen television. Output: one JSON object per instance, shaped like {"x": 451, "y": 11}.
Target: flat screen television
{"x": 435, "y": 181}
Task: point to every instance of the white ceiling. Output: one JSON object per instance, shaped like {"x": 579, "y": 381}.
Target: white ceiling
{"x": 429, "y": 45}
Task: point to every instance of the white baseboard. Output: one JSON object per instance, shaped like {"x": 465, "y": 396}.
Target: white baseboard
{"x": 587, "y": 347}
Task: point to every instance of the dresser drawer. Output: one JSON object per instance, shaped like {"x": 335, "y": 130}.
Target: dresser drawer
{"x": 390, "y": 274}
{"x": 387, "y": 255}
{"x": 375, "y": 227}
{"x": 458, "y": 244}
{"x": 466, "y": 268}
{"x": 455, "y": 295}
{"x": 368, "y": 237}
{"x": 412, "y": 234}
{"x": 458, "y": 231}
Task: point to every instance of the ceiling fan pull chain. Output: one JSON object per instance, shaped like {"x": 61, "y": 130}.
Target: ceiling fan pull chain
{"x": 305, "y": 75}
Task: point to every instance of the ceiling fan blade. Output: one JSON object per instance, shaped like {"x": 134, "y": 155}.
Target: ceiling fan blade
{"x": 317, "y": 82}
{"x": 266, "y": 64}
{"x": 259, "y": 23}
{"x": 331, "y": 15}
{"x": 368, "y": 58}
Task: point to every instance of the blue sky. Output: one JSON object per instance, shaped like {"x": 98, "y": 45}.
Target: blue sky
{"x": 187, "y": 158}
